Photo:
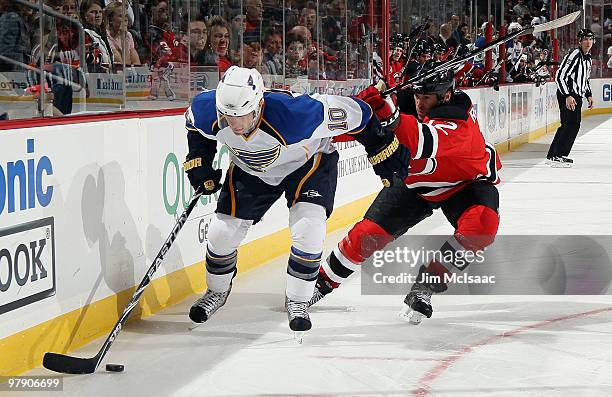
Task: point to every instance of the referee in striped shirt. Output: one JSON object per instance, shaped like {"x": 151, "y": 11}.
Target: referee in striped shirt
{"x": 572, "y": 84}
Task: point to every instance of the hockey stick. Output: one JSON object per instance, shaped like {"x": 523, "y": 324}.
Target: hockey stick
{"x": 415, "y": 33}
{"x": 75, "y": 365}
{"x": 557, "y": 23}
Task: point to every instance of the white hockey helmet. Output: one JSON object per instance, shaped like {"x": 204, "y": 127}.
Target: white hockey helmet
{"x": 239, "y": 92}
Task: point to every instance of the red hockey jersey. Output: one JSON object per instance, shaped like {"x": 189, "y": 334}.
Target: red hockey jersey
{"x": 448, "y": 150}
{"x": 395, "y": 72}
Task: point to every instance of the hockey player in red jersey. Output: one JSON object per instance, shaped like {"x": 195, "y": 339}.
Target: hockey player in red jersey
{"x": 396, "y": 64}
{"x": 451, "y": 168}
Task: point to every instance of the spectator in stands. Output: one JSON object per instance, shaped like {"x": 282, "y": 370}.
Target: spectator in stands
{"x": 306, "y": 36}
{"x": 237, "y": 29}
{"x": 99, "y": 56}
{"x": 455, "y": 23}
{"x": 291, "y": 12}
{"x": 273, "y": 54}
{"x": 129, "y": 10}
{"x": 272, "y": 13}
{"x": 198, "y": 38}
{"x": 538, "y": 19}
{"x": 120, "y": 39}
{"x": 610, "y": 59}
{"x": 254, "y": 15}
{"x": 514, "y": 51}
{"x": 520, "y": 73}
{"x": 15, "y": 42}
{"x": 301, "y": 31}
{"x": 333, "y": 26}
{"x": 231, "y": 8}
{"x": 520, "y": 9}
{"x": 446, "y": 36}
{"x": 541, "y": 64}
{"x": 464, "y": 34}
{"x": 596, "y": 27}
{"x": 218, "y": 53}
{"x": 515, "y": 25}
{"x": 59, "y": 47}
{"x": 252, "y": 55}
{"x": 159, "y": 28}
{"x": 295, "y": 62}
{"x": 480, "y": 39}
{"x": 308, "y": 18}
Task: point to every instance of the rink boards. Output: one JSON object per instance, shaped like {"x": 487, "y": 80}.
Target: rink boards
{"x": 79, "y": 228}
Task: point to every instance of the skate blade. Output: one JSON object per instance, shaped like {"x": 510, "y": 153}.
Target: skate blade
{"x": 194, "y": 325}
{"x": 299, "y": 336}
{"x": 411, "y": 316}
{"x": 560, "y": 165}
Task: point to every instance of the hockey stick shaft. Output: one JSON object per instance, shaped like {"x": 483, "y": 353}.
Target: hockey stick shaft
{"x": 555, "y": 24}
{"x": 74, "y": 365}
{"x": 415, "y": 33}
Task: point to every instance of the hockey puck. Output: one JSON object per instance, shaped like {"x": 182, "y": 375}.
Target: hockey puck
{"x": 115, "y": 367}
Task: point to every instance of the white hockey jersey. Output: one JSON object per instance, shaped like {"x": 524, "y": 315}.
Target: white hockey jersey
{"x": 292, "y": 128}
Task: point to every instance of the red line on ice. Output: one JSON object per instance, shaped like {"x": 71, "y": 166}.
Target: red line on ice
{"x": 426, "y": 380}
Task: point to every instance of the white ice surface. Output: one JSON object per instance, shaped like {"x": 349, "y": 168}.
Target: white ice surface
{"x": 473, "y": 346}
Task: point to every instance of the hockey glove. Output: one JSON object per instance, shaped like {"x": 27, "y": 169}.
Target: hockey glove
{"x": 201, "y": 173}
{"x": 384, "y": 108}
{"x": 389, "y": 160}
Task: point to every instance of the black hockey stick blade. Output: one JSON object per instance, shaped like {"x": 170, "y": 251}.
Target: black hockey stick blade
{"x": 74, "y": 365}
{"x": 554, "y": 24}
{"x": 69, "y": 365}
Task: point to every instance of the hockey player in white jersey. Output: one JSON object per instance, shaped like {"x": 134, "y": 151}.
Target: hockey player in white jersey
{"x": 280, "y": 143}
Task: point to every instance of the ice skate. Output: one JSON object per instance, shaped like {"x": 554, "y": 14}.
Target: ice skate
{"x": 560, "y": 162}
{"x": 207, "y": 305}
{"x": 418, "y": 301}
{"x": 299, "y": 321}
{"x": 418, "y": 304}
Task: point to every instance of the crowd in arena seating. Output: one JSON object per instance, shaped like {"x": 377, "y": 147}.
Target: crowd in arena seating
{"x": 527, "y": 57}
{"x": 291, "y": 38}
{"x": 276, "y": 37}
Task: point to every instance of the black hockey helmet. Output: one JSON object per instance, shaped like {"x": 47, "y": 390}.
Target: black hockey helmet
{"x": 423, "y": 47}
{"x": 463, "y": 50}
{"x": 585, "y": 34}
{"x": 437, "y": 84}
{"x": 439, "y": 48}
{"x": 397, "y": 40}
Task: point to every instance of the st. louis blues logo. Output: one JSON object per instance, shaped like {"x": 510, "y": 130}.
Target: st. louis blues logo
{"x": 259, "y": 160}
